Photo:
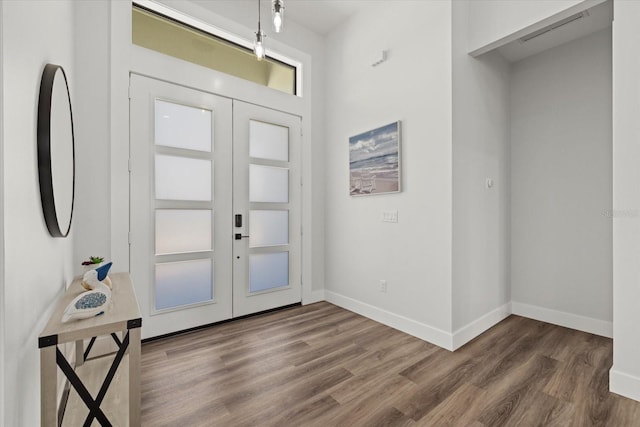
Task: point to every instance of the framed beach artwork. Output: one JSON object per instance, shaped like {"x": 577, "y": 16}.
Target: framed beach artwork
{"x": 374, "y": 161}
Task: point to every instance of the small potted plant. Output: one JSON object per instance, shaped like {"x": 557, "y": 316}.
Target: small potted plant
{"x": 92, "y": 263}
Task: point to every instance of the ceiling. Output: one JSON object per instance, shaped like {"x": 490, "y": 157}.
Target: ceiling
{"x": 322, "y": 16}
{"x": 319, "y": 16}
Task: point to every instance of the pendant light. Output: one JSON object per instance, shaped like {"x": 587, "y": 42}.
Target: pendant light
{"x": 258, "y": 47}
{"x": 277, "y": 10}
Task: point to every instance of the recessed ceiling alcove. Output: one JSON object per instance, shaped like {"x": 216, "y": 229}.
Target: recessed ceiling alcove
{"x": 551, "y": 32}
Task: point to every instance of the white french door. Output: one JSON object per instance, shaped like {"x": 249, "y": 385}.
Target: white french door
{"x": 266, "y": 200}
{"x": 180, "y": 242}
{"x": 205, "y": 171}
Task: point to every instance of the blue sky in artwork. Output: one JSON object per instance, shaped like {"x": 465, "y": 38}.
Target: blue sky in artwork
{"x": 374, "y": 143}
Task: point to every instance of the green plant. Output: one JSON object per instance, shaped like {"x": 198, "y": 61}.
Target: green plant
{"x": 93, "y": 260}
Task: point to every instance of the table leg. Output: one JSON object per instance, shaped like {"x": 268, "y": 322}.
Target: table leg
{"x": 134, "y": 377}
{"x": 48, "y": 387}
{"x": 79, "y": 353}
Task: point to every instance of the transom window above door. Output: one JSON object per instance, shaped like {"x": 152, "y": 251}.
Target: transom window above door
{"x": 169, "y": 36}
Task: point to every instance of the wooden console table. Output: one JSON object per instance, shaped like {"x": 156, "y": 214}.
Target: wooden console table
{"x": 122, "y": 318}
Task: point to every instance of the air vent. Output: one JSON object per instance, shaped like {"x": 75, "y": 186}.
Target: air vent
{"x": 554, "y": 26}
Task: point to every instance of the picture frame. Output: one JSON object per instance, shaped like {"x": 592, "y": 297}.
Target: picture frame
{"x": 374, "y": 161}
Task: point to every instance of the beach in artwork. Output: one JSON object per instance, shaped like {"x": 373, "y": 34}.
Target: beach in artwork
{"x": 374, "y": 161}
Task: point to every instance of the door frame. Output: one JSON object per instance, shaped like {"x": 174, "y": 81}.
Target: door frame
{"x": 127, "y": 59}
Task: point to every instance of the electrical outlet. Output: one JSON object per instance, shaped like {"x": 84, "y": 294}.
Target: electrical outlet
{"x": 383, "y": 286}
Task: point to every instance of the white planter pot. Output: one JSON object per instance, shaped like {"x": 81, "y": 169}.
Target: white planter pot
{"x": 90, "y": 267}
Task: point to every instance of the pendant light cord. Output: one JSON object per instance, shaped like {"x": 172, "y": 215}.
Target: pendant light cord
{"x": 259, "y": 29}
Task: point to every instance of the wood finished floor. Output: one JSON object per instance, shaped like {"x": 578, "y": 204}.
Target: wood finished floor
{"x": 320, "y": 365}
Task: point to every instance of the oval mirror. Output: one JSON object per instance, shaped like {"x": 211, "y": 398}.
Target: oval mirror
{"x": 56, "y": 151}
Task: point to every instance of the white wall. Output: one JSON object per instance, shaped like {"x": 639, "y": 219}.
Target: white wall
{"x": 414, "y": 86}
{"x": 2, "y": 156}
{"x": 92, "y": 226}
{"x": 561, "y": 188}
{"x": 625, "y": 373}
{"x": 493, "y": 20}
{"x": 37, "y": 267}
{"x": 480, "y": 215}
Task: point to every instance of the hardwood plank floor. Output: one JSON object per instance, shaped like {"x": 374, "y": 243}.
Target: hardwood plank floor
{"x": 320, "y": 365}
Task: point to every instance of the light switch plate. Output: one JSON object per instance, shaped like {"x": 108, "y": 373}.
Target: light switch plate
{"x": 389, "y": 216}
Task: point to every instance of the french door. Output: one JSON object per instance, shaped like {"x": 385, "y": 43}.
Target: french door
{"x": 215, "y": 195}
{"x": 266, "y": 200}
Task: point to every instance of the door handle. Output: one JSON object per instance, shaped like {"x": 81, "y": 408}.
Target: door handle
{"x": 239, "y": 236}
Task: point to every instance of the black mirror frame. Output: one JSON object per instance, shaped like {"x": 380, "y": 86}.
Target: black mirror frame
{"x": 47, "y": 196}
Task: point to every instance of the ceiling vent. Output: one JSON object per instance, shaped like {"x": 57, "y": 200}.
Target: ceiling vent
{"x": 554, "y": 26}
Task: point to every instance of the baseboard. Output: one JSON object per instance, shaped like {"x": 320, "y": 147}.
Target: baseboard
{"x": 314, "y": 296}
{"x": 478, "y": 326}
{"x": 468, "y": 332}
{"x": 420, "y": 330}
{"x": 624, "y": 384}
{"x": 561, "y": 318}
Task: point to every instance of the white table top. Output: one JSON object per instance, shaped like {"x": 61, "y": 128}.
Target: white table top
{"x": 124, "y": 308}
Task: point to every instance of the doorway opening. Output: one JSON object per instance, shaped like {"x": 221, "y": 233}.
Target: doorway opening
{"x": 215, "y": 206}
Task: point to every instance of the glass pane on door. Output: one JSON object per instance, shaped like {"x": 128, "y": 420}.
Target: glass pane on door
{"x": 183, "y": 230}
{"x": 268, "y": 184}
{"x": 182, "y": 126}
{"x": 182, "y": 178}
{"x": 268, "y": 141}
{"x": 268, "y": 228}
{"x": 268, "y": 271}
{"x": 183, "y": 283}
